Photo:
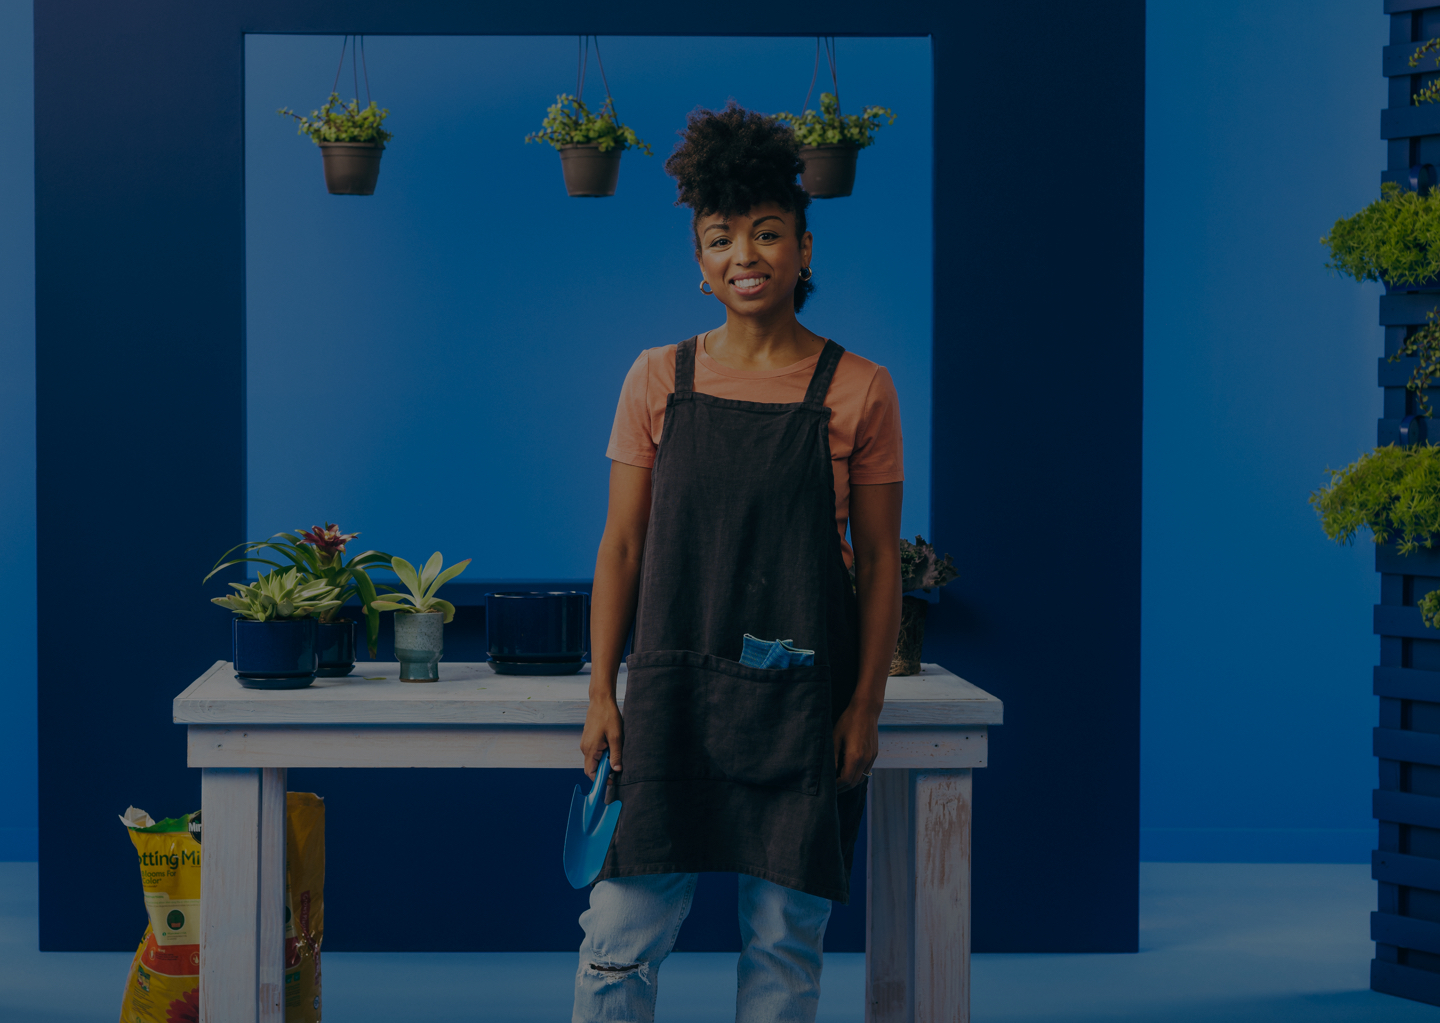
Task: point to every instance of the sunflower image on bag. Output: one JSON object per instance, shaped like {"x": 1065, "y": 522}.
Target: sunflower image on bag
{"x": 163, "y": 985}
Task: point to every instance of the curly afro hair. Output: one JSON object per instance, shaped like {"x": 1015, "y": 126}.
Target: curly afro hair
{"x": 732, "y": 160}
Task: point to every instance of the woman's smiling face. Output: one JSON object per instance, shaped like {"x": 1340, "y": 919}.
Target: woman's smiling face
{"x": 753, "y": 259}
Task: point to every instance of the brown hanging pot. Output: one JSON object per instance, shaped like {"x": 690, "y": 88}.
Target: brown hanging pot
{"x": 351, "y": 168}
{"x": 829, "y": 170}
{"x": 912, "y": 636}
{"x": 589, "y": 173}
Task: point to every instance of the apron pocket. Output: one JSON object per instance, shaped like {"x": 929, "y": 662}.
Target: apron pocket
{"x": 692, "y": 715}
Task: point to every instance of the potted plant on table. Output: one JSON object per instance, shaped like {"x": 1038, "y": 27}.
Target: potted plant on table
{"x": 351, "y": 141}
{"x": 830, "y": 143}
{"x": 589, "y": 144}
{"x": 319, "y": 554}
{"x": 273, "y": 637}
{"x": 921, "y": 570}
{"x": 419, "y": 624}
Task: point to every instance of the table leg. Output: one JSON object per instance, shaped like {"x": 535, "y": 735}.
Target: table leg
{"x": 942, "y": 896}
{"x": 271, "y": 1008}
{"x": 237, "y": 805}
{"x": 917, "y": 941}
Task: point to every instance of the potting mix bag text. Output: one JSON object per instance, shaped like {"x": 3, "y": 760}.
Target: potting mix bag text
{"x": 164, "y": 981}
{"x": 163, "y": 985}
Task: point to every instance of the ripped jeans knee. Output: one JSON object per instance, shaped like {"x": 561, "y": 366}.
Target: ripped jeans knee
{"x": 619, "y": 971}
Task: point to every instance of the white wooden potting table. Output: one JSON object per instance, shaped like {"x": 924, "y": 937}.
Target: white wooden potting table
{"x": 932, "y": 733}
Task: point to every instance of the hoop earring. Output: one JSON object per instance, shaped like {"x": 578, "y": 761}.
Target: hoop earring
{"x": 703, "y": 285}
{"x": 806, "y": 273}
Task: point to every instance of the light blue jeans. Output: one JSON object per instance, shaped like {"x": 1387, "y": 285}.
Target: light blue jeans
{"x": 631, "y": 927}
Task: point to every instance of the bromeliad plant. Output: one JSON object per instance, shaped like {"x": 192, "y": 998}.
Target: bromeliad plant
{"x": 831, "y": 128}
{"x": 318, "y": 553}
{"x": 569, "y": 122}
{"x": 422, "y": 586}
{"x": 342, "y": 122}
{"x": 280, "y": 595}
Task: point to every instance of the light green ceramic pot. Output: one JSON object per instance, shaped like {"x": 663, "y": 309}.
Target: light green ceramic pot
{"x": 419, "y": 642}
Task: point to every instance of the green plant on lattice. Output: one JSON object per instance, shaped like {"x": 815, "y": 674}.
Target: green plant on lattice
{"x": 1392, "y": 491}
{"x": 1431, "y": 92}
{"x": 1396, "y": 238}
{"x": 1423, "y": 345}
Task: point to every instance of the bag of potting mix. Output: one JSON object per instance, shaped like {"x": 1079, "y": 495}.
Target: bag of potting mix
{"x": 164, "y": 981}
{"x": 304, "y": 904}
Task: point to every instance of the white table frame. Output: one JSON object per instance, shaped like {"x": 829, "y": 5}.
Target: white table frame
{"x": 933, "y": 732}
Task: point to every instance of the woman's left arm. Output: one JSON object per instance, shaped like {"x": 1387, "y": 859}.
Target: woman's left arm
{"x": 875, "y": 537}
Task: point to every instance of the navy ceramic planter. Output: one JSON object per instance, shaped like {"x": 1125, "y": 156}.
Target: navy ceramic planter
{"x": 335, "y": 646}
{"x": 538, "y": 633}
{"x": 274, "y": 655}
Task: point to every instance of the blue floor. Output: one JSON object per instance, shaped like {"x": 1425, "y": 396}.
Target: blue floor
{"x": 1243, "y": 943}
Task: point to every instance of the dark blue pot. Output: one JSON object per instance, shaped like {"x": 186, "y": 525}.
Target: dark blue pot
{"x": 335, "y": 645}
{"x": 538, "y": 628}
{"x": 274, "y": 655}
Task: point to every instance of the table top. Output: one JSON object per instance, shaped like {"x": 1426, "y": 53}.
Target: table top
{"x": 474, "y": 694}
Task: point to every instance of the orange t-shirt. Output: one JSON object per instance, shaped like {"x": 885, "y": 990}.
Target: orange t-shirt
{"x": 865, "y": 442}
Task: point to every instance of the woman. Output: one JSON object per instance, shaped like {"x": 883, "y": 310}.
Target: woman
{"x": 737, "y": 458}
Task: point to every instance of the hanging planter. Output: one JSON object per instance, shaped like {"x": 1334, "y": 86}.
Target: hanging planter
{"x": 830, "y": 142}
{"x": 589, "y": 144}
{"x": 350, "y": 137}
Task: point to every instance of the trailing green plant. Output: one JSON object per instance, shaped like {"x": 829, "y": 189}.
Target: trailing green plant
{"x": 280, "y": 595}
{"x": 422, "y": 586}
{"x": 342, "y": 122}
{"x": 319, "y": 554}
{"x": 1429, "y": 93}
{"x": 569, "y": 122}
{"x": 1423, "y": 345}
{"x": 921, "y": 568}
{"x": 1396, "y": 238}
{"x": 830, "y": 127}
{"x": 1392, "y": 491}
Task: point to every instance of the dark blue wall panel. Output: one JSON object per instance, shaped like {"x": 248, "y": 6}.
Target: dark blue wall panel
{"x": 140, "y": 405}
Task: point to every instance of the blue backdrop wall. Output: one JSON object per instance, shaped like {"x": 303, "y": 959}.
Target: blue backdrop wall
{"x": 17, "y": 428}
{"x": 471, "y": 325}
{"x": 1262, "y": 127}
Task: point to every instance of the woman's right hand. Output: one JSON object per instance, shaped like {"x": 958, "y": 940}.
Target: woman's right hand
{"x": 604, "y": 729}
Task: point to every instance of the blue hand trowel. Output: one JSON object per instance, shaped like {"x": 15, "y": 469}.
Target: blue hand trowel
{"x": 590, "y": 828}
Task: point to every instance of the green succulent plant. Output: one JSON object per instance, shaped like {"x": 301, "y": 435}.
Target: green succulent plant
{"x": 280, "y": 595}
{"x": 1396, "y": 238}
{"x": 342, "y": 122}
{"x": 319, "y": 554}
{"x": 830, "y": 127}
{"x": 422, "y": 586}
{"x": 569, "y": 122}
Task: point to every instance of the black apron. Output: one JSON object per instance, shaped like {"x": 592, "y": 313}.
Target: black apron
{"x": 728, "y": 767}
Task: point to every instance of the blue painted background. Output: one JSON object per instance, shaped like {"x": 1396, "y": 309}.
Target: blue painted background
{"x": 1262, "y": 127}
{"x": 468, "y": 327}
{"x": 17, "y": 431}
{"x": 1259, "y": 373}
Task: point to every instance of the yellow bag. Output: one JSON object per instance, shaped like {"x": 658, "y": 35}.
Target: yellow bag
{"x": 164, "y": 981}
{"x": 304, "y": 904}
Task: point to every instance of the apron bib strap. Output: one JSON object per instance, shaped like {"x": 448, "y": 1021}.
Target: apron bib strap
{"x": 824, "y": 371}
{"x": 685, "y": 365}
